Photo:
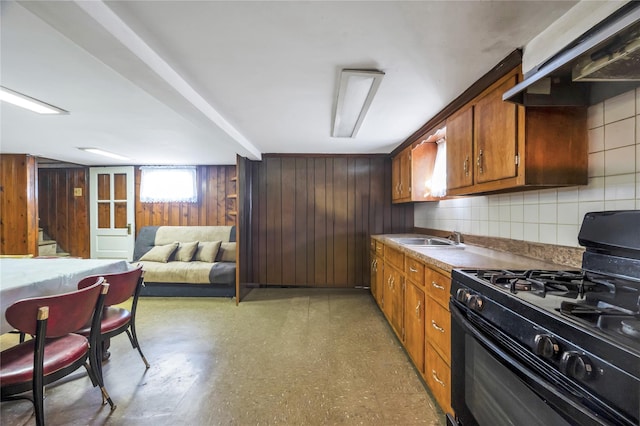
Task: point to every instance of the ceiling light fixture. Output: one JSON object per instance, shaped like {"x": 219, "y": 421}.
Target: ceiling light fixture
{"x": 27, "y": 102}
{"x": 355, "y": 94}
{"x": 104, "y": 153}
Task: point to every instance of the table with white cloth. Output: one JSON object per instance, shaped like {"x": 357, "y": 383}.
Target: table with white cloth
{"x": 23, "y": 278}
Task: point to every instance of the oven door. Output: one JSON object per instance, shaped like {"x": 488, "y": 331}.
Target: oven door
{"x": 494, "y": 381}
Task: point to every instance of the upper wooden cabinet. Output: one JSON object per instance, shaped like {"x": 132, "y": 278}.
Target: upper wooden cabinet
{"x": 460, "y": 149}
{"x": 412, "y": 171}
{"x": 401, "y": 176}
{"x": 495, "y": 146}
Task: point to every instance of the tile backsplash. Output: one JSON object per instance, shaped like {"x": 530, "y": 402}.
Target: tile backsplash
{"x": 554, "y": 216}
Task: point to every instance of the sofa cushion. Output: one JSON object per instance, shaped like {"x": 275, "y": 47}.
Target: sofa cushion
{"x": 185, "y": 251}
{"x": 177, "y": 272}
{"x": 160, "y": 253}
{"x": 185, "y": 234}
{"x": 207, "y": 251}
{"x": 227, "y": 252}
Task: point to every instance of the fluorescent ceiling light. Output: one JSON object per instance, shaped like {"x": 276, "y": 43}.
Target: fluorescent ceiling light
{"x": 27, "y": 102}
{"x": 356, "y": 91}
{"x": 104, "y": 153}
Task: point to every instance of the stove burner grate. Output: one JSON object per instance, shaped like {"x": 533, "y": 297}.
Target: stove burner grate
{"x": 563, "y": 283}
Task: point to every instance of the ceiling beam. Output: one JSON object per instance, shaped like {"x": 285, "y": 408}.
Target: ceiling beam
{"x": 115, "y": 26}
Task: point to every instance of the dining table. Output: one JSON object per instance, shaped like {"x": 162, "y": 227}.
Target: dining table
{"x": 22, "y": 278}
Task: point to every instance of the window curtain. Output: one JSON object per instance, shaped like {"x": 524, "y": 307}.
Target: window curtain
{"x": 161, "y": 184}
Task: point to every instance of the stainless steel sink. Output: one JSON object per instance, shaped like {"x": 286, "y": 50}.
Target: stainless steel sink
{"x": 426, "y": 241}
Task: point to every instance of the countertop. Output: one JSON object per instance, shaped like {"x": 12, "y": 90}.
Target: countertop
{"x": 467, "y": 256}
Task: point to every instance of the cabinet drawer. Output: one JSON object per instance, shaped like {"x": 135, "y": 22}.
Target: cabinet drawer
{"x": 394, "y": 257}
{"x": 438, "y": 328}
{"x": 438, "y": 375}
{"x": 438, "y": 286}
{"x": 372, "y": 245}
{"x": 414, "y": 271}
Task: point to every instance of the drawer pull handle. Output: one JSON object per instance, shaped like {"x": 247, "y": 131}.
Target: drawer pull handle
{"x": 436, "y": 285}
{"x": 480, "y": 162}
{"x": 436, "y": 378}
{"x": 412, "y": 269}
{"x": 436, "y": 326}
{"x": 418, "y": 309}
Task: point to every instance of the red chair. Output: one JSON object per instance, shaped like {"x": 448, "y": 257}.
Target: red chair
{"x": 55, "y": 350}
{"x": 116, "y": 320}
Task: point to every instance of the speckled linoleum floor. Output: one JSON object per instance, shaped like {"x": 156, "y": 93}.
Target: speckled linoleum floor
{"x": 282, "y": 357}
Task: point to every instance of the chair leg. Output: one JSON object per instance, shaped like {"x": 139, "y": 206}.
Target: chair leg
{"x": 133, "y": 338}
{"x": 107, "y": 398}
{"x": 96, "y": 379}
{"x": 38, "y": 404}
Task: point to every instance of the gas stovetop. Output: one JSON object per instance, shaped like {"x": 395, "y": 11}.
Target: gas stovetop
{"x": 599, "y": 302}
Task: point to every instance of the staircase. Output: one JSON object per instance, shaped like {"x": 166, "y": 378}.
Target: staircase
{"x": 48, "y": 247}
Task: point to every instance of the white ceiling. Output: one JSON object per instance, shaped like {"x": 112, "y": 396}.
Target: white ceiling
{"x": 197, "y": 82}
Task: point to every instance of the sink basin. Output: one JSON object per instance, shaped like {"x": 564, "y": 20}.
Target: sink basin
{"x": 426, "y": 241}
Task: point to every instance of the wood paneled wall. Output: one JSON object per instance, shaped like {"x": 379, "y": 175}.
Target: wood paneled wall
{"x": 312, "y": 217}
{"x": 18, "y": 204}
{"x": 64, "y": 216}
{"x": 214, "y": 206}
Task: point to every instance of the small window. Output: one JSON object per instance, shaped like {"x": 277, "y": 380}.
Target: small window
{"x": 168, "y": 184}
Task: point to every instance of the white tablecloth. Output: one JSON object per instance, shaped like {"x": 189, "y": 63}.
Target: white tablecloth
{"x": 22, "y": 278}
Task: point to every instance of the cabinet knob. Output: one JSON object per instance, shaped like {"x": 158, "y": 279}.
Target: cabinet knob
{"x": 436, "y": 326}
{"x": 418, "y": 309}
{"x": 480, "y": 155}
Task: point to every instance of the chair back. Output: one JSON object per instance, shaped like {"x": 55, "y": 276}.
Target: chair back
{"x": 68, "y": 312}
{"x": 122, "y": 285}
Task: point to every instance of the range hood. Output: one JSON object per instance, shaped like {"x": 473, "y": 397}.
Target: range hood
{"x": 603, "y": 63}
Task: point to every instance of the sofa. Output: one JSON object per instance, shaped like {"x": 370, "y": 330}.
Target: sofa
{"x": 187, "y": 260}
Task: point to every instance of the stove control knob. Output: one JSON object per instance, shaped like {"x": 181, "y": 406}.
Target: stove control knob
{"x": 546, "y": 346}
{"x": 462, "y": 295}
{"x": 576, "y": 365}
{"x": 475, "y": 302}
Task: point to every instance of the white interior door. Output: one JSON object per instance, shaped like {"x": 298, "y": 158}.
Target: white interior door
{"x": 112, "y": 211}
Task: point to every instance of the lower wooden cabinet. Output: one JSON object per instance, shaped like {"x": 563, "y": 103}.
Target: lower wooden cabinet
{"x": 438, "y": 377}
{"x": 377, "y": 277}
{"x": 414, "y": 323}
{"x": 438, "y": 324}
{"x": 438, "y": 340}
{"x": 414, "y": 298}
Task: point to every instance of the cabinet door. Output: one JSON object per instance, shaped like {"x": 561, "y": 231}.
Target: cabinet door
{"x": 377, "y": 278}
{"x": 414, "y": 324}
{"x": 396, "y": 178}
{"x": 405, "y": 174}
{"x": 438, "y": 375}
{"x": 401, "y": 176}
{"x": 374, "y": 273}
{"x": 397, "y": 316}
{"x": 438, "y": 329}
{"x": 387, "y": 292}
{"x": 495, "y": 132}
{"x": 460, "y": 149}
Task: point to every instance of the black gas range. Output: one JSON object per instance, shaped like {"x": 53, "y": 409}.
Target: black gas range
{"x": 552, "y": 347}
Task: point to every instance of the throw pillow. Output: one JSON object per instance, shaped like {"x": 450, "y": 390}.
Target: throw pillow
{"x": 227, "y": 252}
{"x": 207, "y": 251}
{"x": 160, "y": 253}
{"x": 185, "y": 251}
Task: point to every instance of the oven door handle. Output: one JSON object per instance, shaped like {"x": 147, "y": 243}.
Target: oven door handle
{"x": 535, "y": 382}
